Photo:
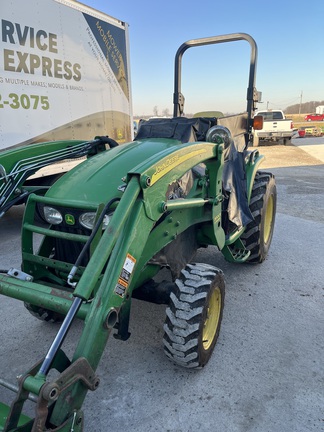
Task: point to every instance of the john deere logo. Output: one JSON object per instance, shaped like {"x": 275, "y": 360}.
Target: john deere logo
{"x": 69, "y": 219}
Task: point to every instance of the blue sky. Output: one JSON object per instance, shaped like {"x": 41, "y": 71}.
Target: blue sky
{"x": 289, "y": 36}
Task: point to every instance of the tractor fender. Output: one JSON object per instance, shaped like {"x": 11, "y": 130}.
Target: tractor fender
{"x": 252, "y": 166}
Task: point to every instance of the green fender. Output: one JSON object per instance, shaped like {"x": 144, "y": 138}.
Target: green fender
{"x": 254, "y": 160}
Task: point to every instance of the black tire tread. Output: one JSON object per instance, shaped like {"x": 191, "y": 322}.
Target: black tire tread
{"x": 44, "y": 314}
{"x": 184, "y": 314}
{"x": 251, "y": 237}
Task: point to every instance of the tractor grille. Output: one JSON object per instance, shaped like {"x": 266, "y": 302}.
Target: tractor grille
{"x": 67, "y": 250}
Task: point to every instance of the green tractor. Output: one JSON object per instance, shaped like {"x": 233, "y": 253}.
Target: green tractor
{"x": 114, "y": 221}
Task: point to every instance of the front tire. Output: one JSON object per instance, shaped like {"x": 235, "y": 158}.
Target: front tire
{"x": 44, "y": 314}
{"x": 194, "y": 316}
{"x": 258, "y": 233}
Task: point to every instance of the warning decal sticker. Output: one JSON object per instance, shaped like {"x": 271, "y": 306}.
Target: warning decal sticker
{"x": 123, "y": 281}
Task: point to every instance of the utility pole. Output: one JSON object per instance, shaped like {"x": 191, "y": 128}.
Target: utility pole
{"x": 301, "y": 100}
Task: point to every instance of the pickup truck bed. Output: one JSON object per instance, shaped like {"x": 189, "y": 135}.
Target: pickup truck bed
{"x": 275, "y": 128}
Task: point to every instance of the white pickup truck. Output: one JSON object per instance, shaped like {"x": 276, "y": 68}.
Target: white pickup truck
{"x": 275, "y": 127}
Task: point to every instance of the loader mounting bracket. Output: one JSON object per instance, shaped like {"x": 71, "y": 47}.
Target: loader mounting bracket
{"x": 80, "y": 370}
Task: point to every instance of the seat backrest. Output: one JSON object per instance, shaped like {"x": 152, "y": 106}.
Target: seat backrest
{"x": 180, "y": 128}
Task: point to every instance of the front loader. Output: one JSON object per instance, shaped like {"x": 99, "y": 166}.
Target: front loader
{"x": 113, "y": 222}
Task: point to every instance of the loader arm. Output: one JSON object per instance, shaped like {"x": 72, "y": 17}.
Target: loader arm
{"x": 17, "y": 165}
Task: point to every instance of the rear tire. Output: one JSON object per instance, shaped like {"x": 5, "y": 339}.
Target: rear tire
{"x": 258, "y": 233}
{"x": 44, "y": 314}
{"x": 194, "y": 316}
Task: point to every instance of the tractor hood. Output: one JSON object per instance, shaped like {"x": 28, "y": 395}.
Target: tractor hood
{"x": 98, "y": 178}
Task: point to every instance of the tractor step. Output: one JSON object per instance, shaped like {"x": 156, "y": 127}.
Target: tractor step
{"x": 236, "y": 252}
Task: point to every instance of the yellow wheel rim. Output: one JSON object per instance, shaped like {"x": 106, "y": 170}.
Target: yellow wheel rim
{"x": 212, "y": 319}
{"x": 268, "y": 220}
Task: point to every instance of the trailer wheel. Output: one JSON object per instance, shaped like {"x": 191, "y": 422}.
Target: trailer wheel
{"x": 194, "y": 315}
{"x": 44, "y": 314}
{"x": 258, "y": 233}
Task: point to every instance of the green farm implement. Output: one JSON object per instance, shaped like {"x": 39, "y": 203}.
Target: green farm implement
{"x": 113, "y": 222}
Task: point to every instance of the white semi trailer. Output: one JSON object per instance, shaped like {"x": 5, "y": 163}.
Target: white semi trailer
{"x": 64, "y": 75}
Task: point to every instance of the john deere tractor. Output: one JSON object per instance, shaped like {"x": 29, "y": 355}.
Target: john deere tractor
{"x": 114, "y": 221}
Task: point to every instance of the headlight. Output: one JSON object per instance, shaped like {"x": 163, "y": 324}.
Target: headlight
{"x": 52, "y": 216}
{"x": 218, "y": 134}
{"x": 87, "y": 220}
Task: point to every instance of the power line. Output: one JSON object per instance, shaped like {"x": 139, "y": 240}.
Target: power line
{"x": 291, "y": 101}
